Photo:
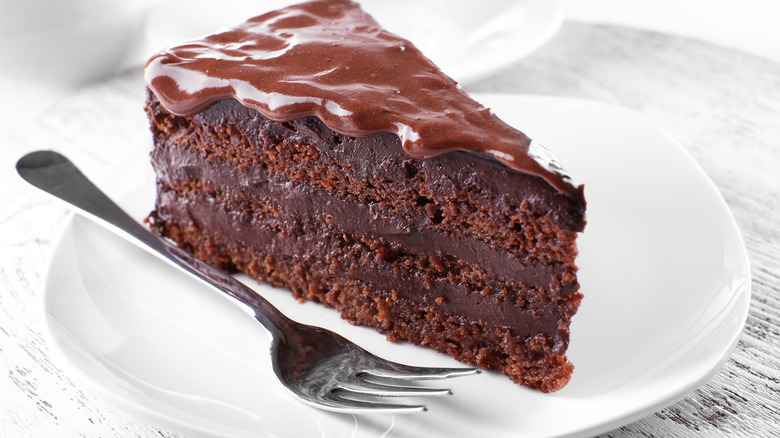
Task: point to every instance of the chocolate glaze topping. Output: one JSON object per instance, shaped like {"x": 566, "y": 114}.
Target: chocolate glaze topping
{"x": 331, "y": 60}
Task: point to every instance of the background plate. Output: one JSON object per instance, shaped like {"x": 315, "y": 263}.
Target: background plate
{"x": 662, "y": 266}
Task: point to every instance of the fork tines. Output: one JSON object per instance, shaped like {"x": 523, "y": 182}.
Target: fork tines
{"x": 361, "y": 393}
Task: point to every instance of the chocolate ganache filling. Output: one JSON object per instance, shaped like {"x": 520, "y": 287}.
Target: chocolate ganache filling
{"x": 331, "y": 60}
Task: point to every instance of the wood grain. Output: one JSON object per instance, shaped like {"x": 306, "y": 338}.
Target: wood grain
{"x": 722, "y": 105}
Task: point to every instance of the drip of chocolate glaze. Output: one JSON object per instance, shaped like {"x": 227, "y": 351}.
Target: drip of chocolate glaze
{"x": 330, "y": 59}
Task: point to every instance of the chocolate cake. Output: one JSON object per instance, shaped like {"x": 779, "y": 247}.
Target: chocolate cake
{"x": 313, "y": 150}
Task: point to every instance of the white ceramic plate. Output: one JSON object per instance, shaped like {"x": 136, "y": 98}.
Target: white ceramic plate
{"x": 662, "y": 266}
{"x": 467, "y": 39}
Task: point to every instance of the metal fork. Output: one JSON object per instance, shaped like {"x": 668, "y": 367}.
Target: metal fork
{"x": 319, "y": 367}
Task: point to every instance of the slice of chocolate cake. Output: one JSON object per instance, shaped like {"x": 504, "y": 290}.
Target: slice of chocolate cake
{"x": 311, "y": 149}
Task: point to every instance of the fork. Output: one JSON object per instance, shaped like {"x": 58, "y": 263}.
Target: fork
{"x": 319, "y": 367}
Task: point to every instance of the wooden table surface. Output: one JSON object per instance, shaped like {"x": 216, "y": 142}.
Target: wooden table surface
{"x": 722, "y": 105}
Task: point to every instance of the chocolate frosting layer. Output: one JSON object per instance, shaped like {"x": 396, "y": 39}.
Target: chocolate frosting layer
{"x": 331, "y": 60}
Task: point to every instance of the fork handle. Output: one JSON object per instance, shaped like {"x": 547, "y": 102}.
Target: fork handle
{"x": 57, "y": 175}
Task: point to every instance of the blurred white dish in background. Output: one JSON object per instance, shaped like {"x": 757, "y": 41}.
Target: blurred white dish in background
{"x": 68, "y": 42}
{"x": 468, "y": 40}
